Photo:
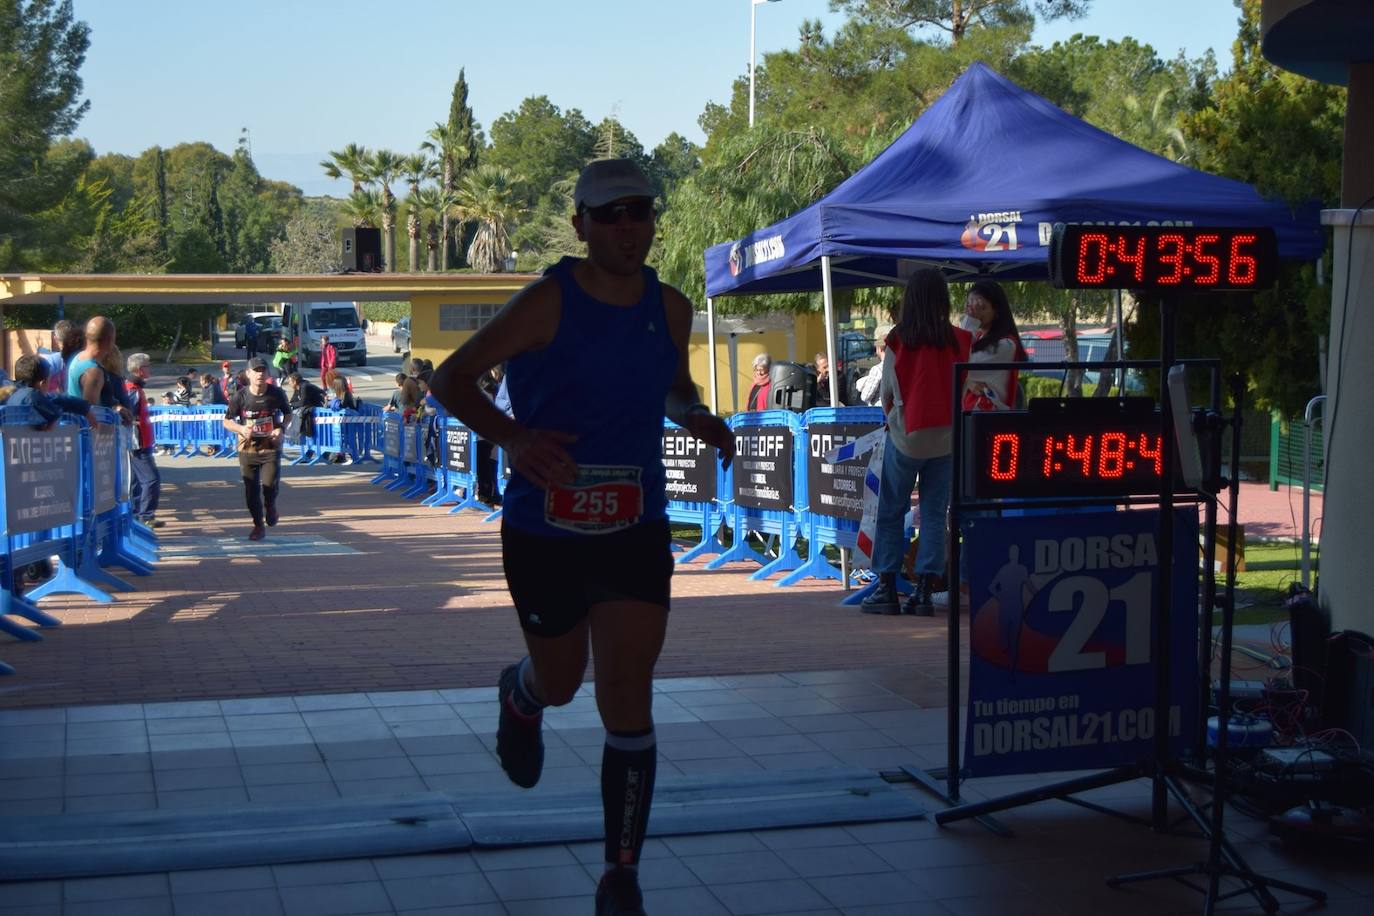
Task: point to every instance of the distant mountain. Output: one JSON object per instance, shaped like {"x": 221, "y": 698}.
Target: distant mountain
{"x": 302, "y": 170}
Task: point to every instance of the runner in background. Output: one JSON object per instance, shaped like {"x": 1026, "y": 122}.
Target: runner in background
{"x": 584, "y": 534}
{"x": 258, "y": 414}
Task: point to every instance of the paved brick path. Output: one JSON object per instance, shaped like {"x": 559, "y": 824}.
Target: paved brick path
{"x": 415, "y": 598}
{"x": 422, "y": 604}
{"x": 1277, "y": 513}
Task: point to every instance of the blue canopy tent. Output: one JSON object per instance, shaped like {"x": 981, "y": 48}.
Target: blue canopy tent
{"x": 973, "y": 187}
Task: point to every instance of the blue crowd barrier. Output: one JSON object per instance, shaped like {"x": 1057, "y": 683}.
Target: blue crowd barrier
{"x": 768, "y": 446}
{"x": 191, "y": 430}
{"x": 830, "y": 496}
{"x": 66, "y": 497}
{"x": 391, "y": 450}
{"x": 698, "y": 489}
{"x": 200, "y": 430}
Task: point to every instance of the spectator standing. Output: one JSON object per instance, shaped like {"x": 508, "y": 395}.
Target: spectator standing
{"x": 987, "y": 313}
{"x": 86, "y": 375}
{"x": 72, "y": 343}
{"x": 145, "y": 489}
{"x": 493, "y": 385}
{"x": 340, "y": 398}
{"x": 282, "y": 358}
{"x": 305, "y": 398}
{"x": 250, "y": 336}
{"x": 182, "y": 393}
{"x": 871, "y": 383}
{"x": 228, "y": 384}
{"x": 823, "y": 383}
{"x": 394, "y": 404}
{"x": 329, "y": 359}
{"x": 917, "y": 397}
{"x": 210, "y": 391}
{"x": 53, "y": 356}
{"x": 758, "y": 395}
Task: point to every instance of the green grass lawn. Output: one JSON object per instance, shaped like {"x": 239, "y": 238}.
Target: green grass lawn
{"x": 1269, "y": 570}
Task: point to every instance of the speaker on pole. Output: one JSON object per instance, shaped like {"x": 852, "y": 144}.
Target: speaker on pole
{"x": 362, "y": 249}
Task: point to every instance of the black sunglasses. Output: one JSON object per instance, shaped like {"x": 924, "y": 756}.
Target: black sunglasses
{"x": 638, "y": 211}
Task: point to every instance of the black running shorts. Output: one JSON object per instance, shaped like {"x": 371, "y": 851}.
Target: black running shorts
{"x": 554, "y": 581}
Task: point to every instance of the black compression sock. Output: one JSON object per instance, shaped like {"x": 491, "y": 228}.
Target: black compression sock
{"x": 628, "y": 764}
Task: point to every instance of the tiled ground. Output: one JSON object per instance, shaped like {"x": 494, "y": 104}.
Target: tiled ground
{"x": 267, "y": 750}
{"x": 259, "y": 678}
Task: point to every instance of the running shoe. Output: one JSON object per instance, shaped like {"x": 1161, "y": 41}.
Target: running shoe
{"x": 258, "y": 533}
{"x": 519, "y": 744}
{"x": 272, "y": 516}
{"x": 618, "y": 894}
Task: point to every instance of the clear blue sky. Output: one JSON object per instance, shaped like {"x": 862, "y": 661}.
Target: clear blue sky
{"x": 307, "y": 76}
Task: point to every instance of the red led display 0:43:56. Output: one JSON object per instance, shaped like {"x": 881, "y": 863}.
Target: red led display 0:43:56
{"x": 1177, "y": 258}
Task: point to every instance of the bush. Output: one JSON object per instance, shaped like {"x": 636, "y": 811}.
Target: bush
{"x": 1035, "y": 386}
{"x": 385, "y": 311}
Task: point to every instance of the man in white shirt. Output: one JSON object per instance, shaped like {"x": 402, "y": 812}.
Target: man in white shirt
{"x": 870, "y": 384}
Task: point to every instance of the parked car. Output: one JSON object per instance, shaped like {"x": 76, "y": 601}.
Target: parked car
{"x": 400, "y": 335}
{"x": 269, "y": 331}
{"x": 1048, "y": 347}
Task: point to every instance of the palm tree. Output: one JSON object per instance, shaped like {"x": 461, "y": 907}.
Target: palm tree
{"x": 363, "y": 207}
{"x": 488, "y": 195}
{"x": 416, "y": 168}
{"x": 1158, "y": 126}
{"x": 448, "y": 146}
{"x": 383, "y": 167}
{"x": 352, "y": 161}
{"x": 433, "y": 206}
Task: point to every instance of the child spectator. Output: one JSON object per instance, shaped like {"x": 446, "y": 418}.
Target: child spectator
{"x": 395, "y": 403}
{"x": 30, "y": 378}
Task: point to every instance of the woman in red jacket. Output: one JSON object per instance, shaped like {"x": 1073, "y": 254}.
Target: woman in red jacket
{"x": 917, "y": 395}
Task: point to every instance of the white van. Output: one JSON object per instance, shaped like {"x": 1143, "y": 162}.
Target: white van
{"x": 310, "y": 321}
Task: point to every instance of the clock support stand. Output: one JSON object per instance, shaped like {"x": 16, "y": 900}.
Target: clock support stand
{"x": 1223, "y": 860}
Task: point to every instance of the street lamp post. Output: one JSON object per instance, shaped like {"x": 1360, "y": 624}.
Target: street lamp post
{"x": 753, "y": 6}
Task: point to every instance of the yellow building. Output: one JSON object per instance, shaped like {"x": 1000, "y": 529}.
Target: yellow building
{"x": 446, "y": 308}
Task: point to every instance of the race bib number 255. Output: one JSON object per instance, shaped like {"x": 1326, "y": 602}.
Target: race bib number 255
{"x": 602, "y": 498}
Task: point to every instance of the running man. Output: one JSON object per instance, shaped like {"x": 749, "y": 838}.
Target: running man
{"x": 584, "y": 535}
{"x": 258, "y": 414}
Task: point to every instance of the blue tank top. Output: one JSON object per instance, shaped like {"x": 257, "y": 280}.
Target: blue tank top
{"x": 603, "y": 378}
{"x": 78, "y": 367}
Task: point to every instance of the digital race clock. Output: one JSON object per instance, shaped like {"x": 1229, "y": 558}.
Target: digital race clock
{"x": 1064, "y": 448}
{"x": 1180, "y": 258}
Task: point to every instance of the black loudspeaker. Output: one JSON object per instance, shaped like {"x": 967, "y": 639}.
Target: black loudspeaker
{"x": 362, "y": 249}
{"x": 1350, "y": 684}
{"x": 792, "y": 386}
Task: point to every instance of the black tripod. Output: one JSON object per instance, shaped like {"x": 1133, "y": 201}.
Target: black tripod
{"x": 1223, "y": 861}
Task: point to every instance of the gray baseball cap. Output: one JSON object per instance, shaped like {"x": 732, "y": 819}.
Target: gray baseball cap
{"x": 605, "y": 180}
